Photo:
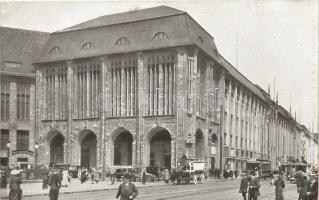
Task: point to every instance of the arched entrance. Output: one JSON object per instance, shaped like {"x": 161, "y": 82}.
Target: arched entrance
{"x": 57, "y": 149}
{"x": 88, "y": 148}
{"x": 199, "y": 145}
{"x": 159, "y": 141}
{"x": 122, "y": 144}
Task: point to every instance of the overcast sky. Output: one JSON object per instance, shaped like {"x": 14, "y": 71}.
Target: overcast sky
{"x": 277, "y": 39}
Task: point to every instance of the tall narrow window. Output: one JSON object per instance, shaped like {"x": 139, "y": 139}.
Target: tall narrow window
{"x": 161, "y": 89}
{"x": 4, "y": 139}
{"x": 56, "y": 92}
{"x": 5, "y": 105}
{"x": 23, "y": 101}
{"x": 87, "y": 90}
{"x": 22, "y": 140}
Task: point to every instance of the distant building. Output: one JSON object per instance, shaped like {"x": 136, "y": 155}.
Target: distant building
{"x": 19, "y": 49}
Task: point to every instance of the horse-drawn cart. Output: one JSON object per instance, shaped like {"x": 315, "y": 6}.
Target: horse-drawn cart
{"x": 191, "y": 171}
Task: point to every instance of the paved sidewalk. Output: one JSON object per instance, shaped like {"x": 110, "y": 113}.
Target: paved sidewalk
{"x": 35, "y": 188}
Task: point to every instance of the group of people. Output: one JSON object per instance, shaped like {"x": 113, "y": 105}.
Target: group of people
{"x": 250, "y": 184}
{"x": 90, "y": 174}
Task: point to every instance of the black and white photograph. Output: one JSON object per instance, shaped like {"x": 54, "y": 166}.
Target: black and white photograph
{"x": 159, "y": 100}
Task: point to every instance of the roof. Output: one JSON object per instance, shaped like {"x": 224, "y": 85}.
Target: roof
{"x": 139, "y": 28}
{"x": 19, "y": 49}
{"x": 105, "y": 31}
{"x": 241, "y": 78}
{"x": 125, "y": 17}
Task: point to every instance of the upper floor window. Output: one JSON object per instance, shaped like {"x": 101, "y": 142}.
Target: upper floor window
{"x": 12, "y": 64}
{"x": 87, "y": 45}
{"x": 160, "y": 35}
{"x": 23, "y": 101}
{"x": 22, "y": 140}
{"x": 5, "y": 97}
{"x": 4, "y": 138}
{"x": 122, "y": 41}
{"x": 55, "y": 50}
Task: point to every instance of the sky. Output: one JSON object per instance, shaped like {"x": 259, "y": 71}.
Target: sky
{"x": 271, "y": 42}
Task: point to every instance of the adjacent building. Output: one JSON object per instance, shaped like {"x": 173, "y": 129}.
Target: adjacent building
{"x": 19, "y": 49}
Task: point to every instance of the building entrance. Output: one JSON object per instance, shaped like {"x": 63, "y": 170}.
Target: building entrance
{"x": 123, "y": 149}
{"x": 88, "y": 150}
{"x": 160, "y": 149}
{"x": 57, "y": 149}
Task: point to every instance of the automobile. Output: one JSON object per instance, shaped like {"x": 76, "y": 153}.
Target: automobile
{"x": 156, "y": 171}
{"x": 120, "y": 172}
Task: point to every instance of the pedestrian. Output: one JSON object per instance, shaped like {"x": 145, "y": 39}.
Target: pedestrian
{"x": 65, "y": 178}
{"x": 84, "y": 175}
{"x": 314, "y": 190}
{"x": 112, "y": 176}
{"x": 14, "y": 186}
{"x": 45, "y": 178}
{"x": 303, "y": 188}
{"x": 144, "y": 176}
{"x": 254, "y": 186}
{"x": 96, "y": 176}
{"x": 3, "y": 179}
{"x": 166, "y": 176}
{"x": 55, "y": 185}
{"x": 127, "y": 190}
{"x": 280, "y": 185}
{"x": 243, "y": 186}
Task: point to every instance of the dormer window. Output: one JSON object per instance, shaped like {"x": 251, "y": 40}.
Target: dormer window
{"x": 160, "y": 36}
{"x": 55, "y": 50}
{"x": 87, "y": 45}
{"x": 122, "y": 41}
{"x": 200, "y": 39}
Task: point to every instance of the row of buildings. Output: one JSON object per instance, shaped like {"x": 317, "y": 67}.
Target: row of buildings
{"x": 139, "y": 88}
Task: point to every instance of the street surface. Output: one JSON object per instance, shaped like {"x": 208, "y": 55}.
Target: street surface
{"x": 221, "y": 190}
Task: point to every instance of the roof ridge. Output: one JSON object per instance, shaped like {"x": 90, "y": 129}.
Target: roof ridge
{"x": 117, "y": 18}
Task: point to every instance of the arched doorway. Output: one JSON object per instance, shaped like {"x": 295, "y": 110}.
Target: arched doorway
{"x": 88, "y": 149}
{"x": 57, "y": 149}
{"x": 160, "y": 148}
{"x": 199, "y": 145}
{"x": 122, "y": 144}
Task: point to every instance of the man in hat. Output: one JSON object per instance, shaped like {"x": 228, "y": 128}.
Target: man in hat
{"x": 254, "y": 186}
{"x": 243, "y": 185}
{"x": 15, "y": 182}
{"x": 55, "y": 184}
{"x": 280, "y": 185}
{"x": 127, "y": 190}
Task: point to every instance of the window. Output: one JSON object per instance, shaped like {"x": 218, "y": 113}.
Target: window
{"x": 4, "y": 138}
{"x": 55, "y": 50}
{"x": 160, "y": 35}
{"x": 5, "y": 105}
{"x": 87, "y": 45}
{"x": 22, "y": 140}
{"x": 200, "y": 39}
{"x": 23, "y": 101}
{"x": 56, "y": 92}
{"x": 122, "y": 41}
{"x": 225, "y": 135}
{"x": 12, "y": 64}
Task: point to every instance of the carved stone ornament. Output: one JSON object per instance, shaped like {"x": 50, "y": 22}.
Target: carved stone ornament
{"x": 54, "y": 125}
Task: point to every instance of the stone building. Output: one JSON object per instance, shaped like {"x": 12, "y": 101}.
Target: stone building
{"x": 17, "y": 76}
{"x": 142, "y": 88}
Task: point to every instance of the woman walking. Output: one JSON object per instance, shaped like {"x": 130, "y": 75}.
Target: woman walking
{"x": 15, "y": 182}
{"x": 280, "y": 185}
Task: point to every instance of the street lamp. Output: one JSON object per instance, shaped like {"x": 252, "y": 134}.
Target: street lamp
{"x": 8, "y": 148}
{"x": 36, "y": 147}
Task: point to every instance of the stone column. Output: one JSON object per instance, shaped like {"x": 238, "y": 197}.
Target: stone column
{"x": 140, "y": 108}
{"x": 70, "y": 94}
{"x": 221, "y": 86}
{"x": 180, "y": 83}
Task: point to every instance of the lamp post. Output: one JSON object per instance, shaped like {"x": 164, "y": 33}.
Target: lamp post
{"x": 8, "y": 148}
{"x": 36, "y": 147}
